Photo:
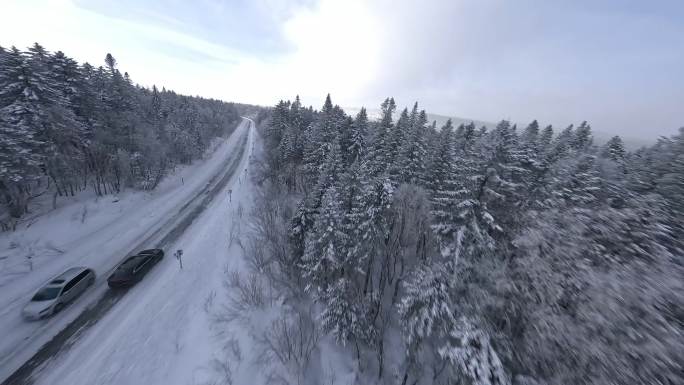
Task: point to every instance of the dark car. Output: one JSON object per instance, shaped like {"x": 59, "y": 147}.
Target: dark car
{"x": 134, "y": 268}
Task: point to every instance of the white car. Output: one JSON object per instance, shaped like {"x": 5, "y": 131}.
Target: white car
{"x": 62, "y": 289}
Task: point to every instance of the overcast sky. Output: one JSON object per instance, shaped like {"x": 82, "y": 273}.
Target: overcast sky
{"x": 617, "y": 63}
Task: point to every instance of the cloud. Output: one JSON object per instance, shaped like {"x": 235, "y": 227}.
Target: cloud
{"x": 251, "y": 26}
{"x": 614, "y": 63}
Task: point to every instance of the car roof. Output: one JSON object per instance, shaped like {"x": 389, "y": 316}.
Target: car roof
{"x": 67, "y": 275}
{"x": 149, "y": 251}
{"x": 131, "y": 260}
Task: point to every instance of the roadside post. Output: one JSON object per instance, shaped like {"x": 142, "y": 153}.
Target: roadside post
{"x": 179, "y": 257}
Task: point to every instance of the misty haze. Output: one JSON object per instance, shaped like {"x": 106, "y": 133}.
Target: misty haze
{"x": 342, "y": 192}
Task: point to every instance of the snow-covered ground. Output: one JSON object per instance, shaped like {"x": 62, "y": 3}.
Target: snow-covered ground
{"x": 160, "y": 332}
{"x": 111, "y": 229}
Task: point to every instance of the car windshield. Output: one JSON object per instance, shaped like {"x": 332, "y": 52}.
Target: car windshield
{"x": 46, "y": 294}
{"x": 125, "y": 268}
{"x": 128, "y": 264}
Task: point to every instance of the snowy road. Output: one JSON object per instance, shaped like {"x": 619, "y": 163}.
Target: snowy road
{"x": 102, "y": 325}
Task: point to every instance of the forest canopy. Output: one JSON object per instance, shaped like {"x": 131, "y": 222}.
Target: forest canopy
{"x": 526, "y": 255}
{"x": 66, "y": 127}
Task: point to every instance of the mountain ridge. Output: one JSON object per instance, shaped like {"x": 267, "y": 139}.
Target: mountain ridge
{"x": 600, "y": 137}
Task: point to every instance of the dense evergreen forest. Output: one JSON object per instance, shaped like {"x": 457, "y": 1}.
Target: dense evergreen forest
{"x": 66, "y": 127}
{"x": 462, "y": 255}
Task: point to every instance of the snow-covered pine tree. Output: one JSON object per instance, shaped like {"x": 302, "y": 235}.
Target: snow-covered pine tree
{"x": 357, "y": 142}
{"x": 345, "y": 316}
{"x": 668, "y": 170}
{"x": 504, "y": 183}
{"x": 425, "y": 308}
{"x": 111, "y": 62}
{"x": 324, "y": 248}
{"x": 66, "y": 75}
{"x": 529, "y": 140}
{"x": 413, "y": 153}
{"x": 373, "y": 226}
{"x": 545, "y": 138}
{"x": 87, "y": 107}
{"x": 447, "y": 174}
{"x": 314, "y": 152}
{"x": 442, "y": 157}
{"x": 298, "y": 122}
{"x": 320, "y": 137}
{"x": 470, "y": 348}
{"x": 34, "y": 104}
{"x": 277, "y": 125}
{"x": 32, "y": 100}
{"x": 426, "y": 318}
{"x": 582, "y": 138}
{"x": 303, "y": 222}
{"x": 68, "y": 158}
{"x": 561, "y": 144}
{"x": 614, "y": 149}
{"x": 531, "y": 157}
{"x": 576, "y": 182}
{"x": 396, "y": 139}
{"x": 155, "y": 107}
{"x": 376, "y": 160}
{"x": 21, "y": 146}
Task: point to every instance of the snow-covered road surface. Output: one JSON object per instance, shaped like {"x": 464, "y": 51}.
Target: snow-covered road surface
{"x": 160, "y": 222}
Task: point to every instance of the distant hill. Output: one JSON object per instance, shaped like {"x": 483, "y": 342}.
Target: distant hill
{"x": 374, "y": 113}
{"x": 631, "y": 143}
{"x": 600, "y": 137}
